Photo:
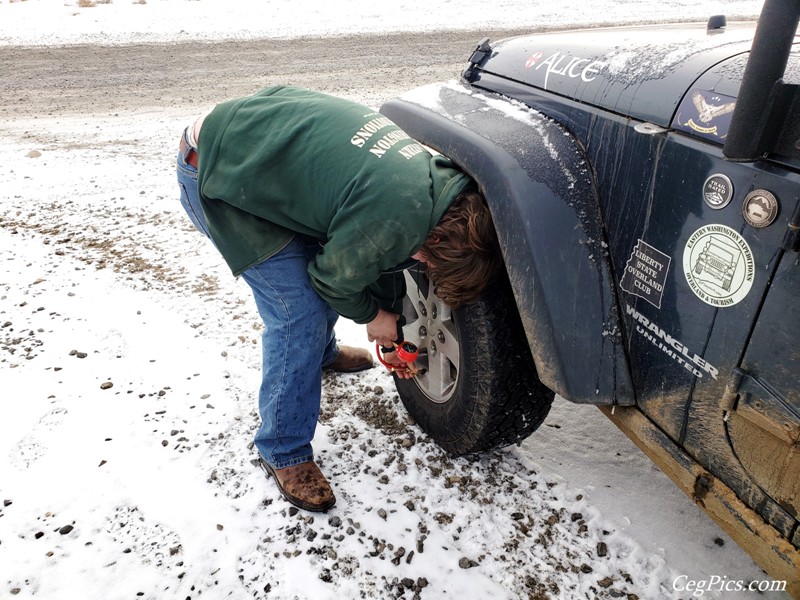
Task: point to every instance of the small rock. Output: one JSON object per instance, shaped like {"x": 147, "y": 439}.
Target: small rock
{"x": 7, "y": 503}
{"x": 466, "y": 563}
{"x": 378, "y": 390}
{"x": 311, "y": 535}
{"x": 65, "y": 529}
{"x": 39, "y": 535}
{"x": 576, "y": 517}
{"x": 719, "y": 541}
{"x": 293, "y": 511}
{"x": 335, "y": 522}
{"x": 382, "y": 513}
{"x": 164, "y": 443}
{"x": 220, "y": 527}
{"x": 586, "y": 568}
{"x": 606, "y": 582}
{"x": 602, "y": 549}
{"x": 15, "y": 591}
{"x": 106, "y": 385}
{"x": 33, "y": 154}
{"x": 407, "y": 582}
{"x": 422, "y": 582}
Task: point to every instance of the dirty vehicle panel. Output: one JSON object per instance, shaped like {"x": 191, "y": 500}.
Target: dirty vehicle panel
{"x": 701, "y": 250}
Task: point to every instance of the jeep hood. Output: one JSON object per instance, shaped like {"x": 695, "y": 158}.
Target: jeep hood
{"x": 639, "y": 72}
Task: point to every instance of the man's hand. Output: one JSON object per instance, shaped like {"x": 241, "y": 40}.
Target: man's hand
{"x": 383, "y": 328}
{"x": 404, "y": 369}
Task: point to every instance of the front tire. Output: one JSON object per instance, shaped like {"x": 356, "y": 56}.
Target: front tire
{"x": 480, "y": 389}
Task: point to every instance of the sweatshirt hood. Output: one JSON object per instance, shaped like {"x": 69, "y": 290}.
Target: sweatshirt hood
{"x": 447, "y": 182}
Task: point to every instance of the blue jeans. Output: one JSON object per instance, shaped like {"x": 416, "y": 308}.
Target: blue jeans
{"x": 298, "y": 339}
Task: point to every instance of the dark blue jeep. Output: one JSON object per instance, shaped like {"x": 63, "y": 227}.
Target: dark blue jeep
{"x": 645, "y": 188}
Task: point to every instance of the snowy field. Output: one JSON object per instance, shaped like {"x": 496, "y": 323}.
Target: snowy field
{"x": 129, "y": 361}
{"x": 124, "y": 21}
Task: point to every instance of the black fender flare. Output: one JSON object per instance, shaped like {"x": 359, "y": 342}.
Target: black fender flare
{"x": 541, "y": 192}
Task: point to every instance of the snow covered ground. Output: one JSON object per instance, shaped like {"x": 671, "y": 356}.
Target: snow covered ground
{"x": 129, "y": 359}
{"x": 123, "y": 21}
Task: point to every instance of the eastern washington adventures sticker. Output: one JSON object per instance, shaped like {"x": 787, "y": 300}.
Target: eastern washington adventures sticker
{"x": 646, "y": 273}
{"x": 718, "y": 265}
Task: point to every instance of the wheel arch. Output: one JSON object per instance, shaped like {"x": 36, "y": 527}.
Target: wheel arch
{"x": 542, "y": 196}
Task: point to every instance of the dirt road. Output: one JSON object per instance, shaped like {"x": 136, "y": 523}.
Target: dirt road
{"x": 96, "y": 79}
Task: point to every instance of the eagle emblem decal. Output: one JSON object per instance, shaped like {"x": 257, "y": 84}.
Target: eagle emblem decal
{"x": 705, "y": 113}
{"x": 708, "y": 112}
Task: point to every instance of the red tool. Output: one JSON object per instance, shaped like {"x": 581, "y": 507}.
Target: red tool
{"x": 406, "y": 351}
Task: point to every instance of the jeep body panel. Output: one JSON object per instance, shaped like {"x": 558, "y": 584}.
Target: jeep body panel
{"x": 542, "y": 198}
{"x": 640, "y": 72}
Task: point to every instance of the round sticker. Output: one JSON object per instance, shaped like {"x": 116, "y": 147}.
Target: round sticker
{"x": 760, "y": 208}
{"x": 718, "y": 191}
{"x": 718, "y": 265}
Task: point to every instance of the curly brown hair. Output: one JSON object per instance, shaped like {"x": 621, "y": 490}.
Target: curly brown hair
{"x": 461, "y": 251}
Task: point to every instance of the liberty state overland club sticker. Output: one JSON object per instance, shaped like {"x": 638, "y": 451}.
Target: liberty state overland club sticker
{"x": 718, "y": 265}
{"x": 646, "y": 273}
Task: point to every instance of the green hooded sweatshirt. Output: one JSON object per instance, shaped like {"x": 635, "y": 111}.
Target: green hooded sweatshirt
{"x": 289, "y": 160}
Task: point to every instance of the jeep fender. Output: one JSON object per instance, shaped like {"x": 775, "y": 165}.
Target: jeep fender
{"x": 543, "y": 200}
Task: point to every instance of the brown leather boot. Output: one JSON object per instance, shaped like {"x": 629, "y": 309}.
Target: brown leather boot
{"x": 303, "y": 485}
{"x": 351, "y": 360}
